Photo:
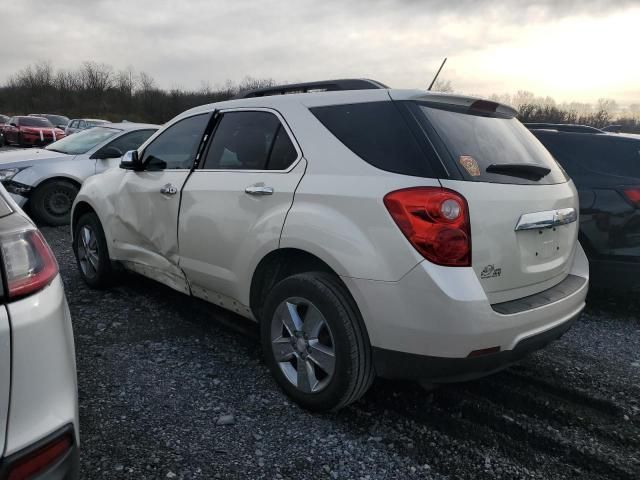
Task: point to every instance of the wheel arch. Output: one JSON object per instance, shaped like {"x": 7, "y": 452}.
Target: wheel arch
{"x": 57, "y": 178}
{"x": 282, "y": 263}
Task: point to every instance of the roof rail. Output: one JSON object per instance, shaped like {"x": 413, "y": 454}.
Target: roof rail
{"x": 321, "y": 86}
{"x": 563, "y": 127}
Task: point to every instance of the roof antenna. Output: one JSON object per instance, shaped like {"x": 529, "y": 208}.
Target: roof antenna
{"x": 438, "y": 73}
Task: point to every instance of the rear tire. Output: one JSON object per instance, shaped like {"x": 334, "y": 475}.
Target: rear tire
{"x": 51, "y": 203}
{"x": 91, "y": 252}
{"x": 324, "y": 359}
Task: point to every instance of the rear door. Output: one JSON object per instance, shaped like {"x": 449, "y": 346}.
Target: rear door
{"x": 145, "y": 229}
{"x": 234, "y": 205}
{"x": 523, "y": 211}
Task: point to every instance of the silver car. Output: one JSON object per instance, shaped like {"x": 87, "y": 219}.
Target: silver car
{"x": 79, "y": 124}
{"x": 48, "y": 179}
{"x": 38, "y": 388}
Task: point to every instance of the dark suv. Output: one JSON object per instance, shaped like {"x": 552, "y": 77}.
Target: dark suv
{"x": 606, "y": 170}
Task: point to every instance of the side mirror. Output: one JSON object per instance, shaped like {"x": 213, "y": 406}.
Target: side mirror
{"x": 107, "y": 152}
{"x": 131, "y": 161}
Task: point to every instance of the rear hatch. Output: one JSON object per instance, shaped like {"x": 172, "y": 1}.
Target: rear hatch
{"x": 522, "y": 208}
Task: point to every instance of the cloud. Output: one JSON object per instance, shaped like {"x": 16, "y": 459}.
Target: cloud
{"x": 184, "y": 43}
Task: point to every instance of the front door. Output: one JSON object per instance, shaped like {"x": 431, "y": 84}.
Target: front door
{"x": 234, "y": 205}
{"x": 145, "y": 232}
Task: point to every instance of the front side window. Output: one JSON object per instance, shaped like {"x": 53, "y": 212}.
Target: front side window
{"x": 250, "y": 140}
{"x": 177, "y": 146}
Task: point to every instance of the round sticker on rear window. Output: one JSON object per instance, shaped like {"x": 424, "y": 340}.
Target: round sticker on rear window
{"x": 470, "y": 165}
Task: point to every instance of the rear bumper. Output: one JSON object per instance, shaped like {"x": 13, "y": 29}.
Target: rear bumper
{"x": 443, "y": 313}
{"x": 393, "y": 364}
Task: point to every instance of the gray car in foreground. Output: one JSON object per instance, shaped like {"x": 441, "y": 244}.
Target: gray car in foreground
{"x": 47, "y": 180}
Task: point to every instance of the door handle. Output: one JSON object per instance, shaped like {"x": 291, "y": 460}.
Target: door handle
{"x": 259, "y": 190}
{"x": 168, "y": 189}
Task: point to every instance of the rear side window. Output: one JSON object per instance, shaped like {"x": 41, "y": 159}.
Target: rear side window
{"x": 378, "y": 133}
{"x": 250, "y": 140}
{"x": 474, "y": 141}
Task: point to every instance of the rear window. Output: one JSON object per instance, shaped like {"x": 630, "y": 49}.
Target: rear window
{"x": 474, "y": 141}
{"x": 378, "y": 133}
{"x": 599, "y": 154}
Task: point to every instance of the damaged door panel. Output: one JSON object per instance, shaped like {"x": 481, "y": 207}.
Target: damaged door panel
{"x": 144, "y": 230}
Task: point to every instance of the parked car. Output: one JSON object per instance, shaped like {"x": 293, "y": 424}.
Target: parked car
{"x": 30, "y": 131}
{"x": 606, "y": 170}
{"x": 79, "y": 124}
{"x": 38, "y": 387}
{"x": 47, "y": 180}
{"x": 59, "y": 121}
{"x": 3, "y": 121}
{"x": 399, "y": 233}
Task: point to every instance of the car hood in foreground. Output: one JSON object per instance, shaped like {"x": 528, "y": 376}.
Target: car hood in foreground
{"x": 29, "y": 156}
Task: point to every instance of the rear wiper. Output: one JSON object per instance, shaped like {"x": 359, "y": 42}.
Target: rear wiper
{"x": 521, "y": 170}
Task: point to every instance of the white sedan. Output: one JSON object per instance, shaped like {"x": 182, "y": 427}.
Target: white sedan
{"x": 49, "y": 179}
{"x": 38, "y": 387}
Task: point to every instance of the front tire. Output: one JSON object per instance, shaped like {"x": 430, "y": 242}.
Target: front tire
{"x": 51, "y": 203}
{"x": 91, "y": 252}
{"x": 315, "y": 342}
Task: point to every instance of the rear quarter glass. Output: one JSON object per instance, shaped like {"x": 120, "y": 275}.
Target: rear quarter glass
{"x": 468, "y": 142}
{"x": 382, "y": 136}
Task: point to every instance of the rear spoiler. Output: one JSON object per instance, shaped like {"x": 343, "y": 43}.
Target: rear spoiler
{"x": 469, "y": 103}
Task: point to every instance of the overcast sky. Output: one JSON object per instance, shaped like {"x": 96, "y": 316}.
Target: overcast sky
{"x": 572, "y": 50}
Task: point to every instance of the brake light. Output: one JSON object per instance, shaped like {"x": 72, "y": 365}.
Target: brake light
{"x": 633, "y": 194}
{"x": 28, "y": 261}
{"x": 436, "y": 222}
{"x": 40, "y": 460}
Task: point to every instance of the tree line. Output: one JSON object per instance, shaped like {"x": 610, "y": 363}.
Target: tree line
{"x": 97, "y": 90}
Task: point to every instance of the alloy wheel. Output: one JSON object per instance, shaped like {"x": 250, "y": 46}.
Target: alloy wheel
{"x": 88, "y": 251}
{"x": 302, "y": 345}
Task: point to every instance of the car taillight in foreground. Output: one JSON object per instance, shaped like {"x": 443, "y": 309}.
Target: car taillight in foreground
{"x": 436, "y": 222}
{"x": 40, "y": 460}
{"x": 29, "y": 262}
{"x": 633, "y": 194}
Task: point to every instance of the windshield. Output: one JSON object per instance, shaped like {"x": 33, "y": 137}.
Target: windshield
{"x": 34, "y": 122}
{"x": 57, "y": 119}
{"x": 476, "y": 141}
{"x": 84, "y": 141}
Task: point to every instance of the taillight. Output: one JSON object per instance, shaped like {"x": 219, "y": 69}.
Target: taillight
{"x": 633, "y": 194}
{"x": 40, "y": 460}
{"x": 436, "y": 222}
{"x": 28, "y": 261}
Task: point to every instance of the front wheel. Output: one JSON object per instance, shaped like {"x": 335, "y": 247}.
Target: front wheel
{"x": 51, "y": 203}
{"x": 315, "y": 342}
{"x": 91, "y": 252}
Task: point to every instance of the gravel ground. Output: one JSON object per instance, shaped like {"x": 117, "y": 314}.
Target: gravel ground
{"x": 173, "y": 388}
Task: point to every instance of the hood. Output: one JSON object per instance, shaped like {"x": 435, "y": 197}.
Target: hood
{"x": 29, "y": 156}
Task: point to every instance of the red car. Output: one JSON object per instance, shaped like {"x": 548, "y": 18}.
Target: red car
{"x": 30, "y": 131}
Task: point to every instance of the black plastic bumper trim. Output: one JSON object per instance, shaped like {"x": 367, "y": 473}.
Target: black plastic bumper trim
{"x": 569, "y": 285}
{"x": 408, "y": 366}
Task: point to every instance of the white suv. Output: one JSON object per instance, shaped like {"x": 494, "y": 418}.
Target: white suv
{"x": 38, "y": 389}
{"x": 405, "y": 234}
